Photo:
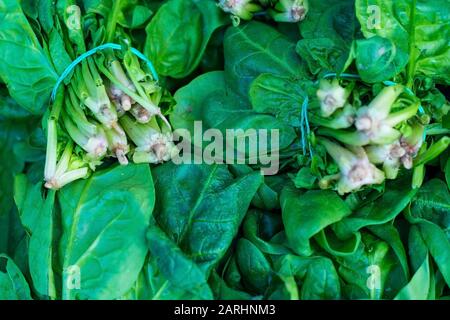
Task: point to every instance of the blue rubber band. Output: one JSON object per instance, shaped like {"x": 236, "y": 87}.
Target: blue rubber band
{"x": 341, "y": 75}
{"x": 305, "y": 128}
{"x": 93, "y": 51}
{"x": 302, "y": 126}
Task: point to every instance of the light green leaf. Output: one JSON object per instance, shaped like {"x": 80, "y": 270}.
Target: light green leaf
{"x": 418, "y": 287}
{"x": 178, "y": 34}
{"x": 104, "y": 221}
{"x": 24, "y": 67}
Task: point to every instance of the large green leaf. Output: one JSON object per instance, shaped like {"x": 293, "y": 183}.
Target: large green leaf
{"x": 447, "y": 172}
{"x": 417, "y": 27}
{"x": 201, "y": 207}
{"x": 379, "y": 59}
{"x": 104, "y": 221}
{"x": 130, "y": 14}
{"x": 321, "y": 281}
{"x": 327, "y": 239}
{"x": 255, "y": 269}
{"x": 328, "y": 32}
{"x": 255, "y": 48}
{"x": 395, "y": 198}
{"x": 252, "y": 228}
{"x": 365, "y": 272}
{"x": 24, "y": 67}
{"x": 305, "y": 215}
{"x": 208, "y": 99}
{"x": 312, "y": 277}
{"x": 190, "y": 99}
{"x": 178, "y": 34}
{"x": 390, "y": 234}
{"x": 223, "y": 292}
{"x": 278, "y": 95}
{"x": 182, "y": 278}
{"x": 15, "y": 127}
{"x": 432, "y": 203}
{"x": 430, "y": 212}
{"x": 37, "y": 216}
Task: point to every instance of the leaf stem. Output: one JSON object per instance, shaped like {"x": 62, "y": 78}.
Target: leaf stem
{"x": 412, "y": 52}
{"x": 433, "y": 152}
{"x": 112, "y": 21}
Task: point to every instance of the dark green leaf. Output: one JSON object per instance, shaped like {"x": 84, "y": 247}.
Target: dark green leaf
{"x": 305, "y": 215}
{"x": 255, "y": 48}
{"x": 13, "y": 285}
{"x": 203, "y": 220}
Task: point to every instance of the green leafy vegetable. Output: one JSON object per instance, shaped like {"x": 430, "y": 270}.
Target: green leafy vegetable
{"x": 142, "y": 175}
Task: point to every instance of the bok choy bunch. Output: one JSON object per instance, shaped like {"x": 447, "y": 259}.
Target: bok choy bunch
{"x": 369, "y": 138}
{"x": 279, "y": 10}
{"x": 109, "y": 109}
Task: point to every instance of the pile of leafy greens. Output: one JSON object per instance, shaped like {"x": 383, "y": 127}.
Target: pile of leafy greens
{"x": 360, "y": 208}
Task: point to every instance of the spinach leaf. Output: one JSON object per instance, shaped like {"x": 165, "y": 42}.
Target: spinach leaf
{"x": 312, "y": 277}
{"x": 255, "y": 48}
{"x": 395, "y": 198}
{"x": 178, "y": 35}
{"x": 202, "y": 221}
{"x": 223, "y": 292}
{"x": 23, "y": 64}
{"x": 321, "y": 281}
{"x": 15, "y": 125}
{"x": 13, "y": 285}
{"x": 432, "y": 203}
{"x": 13, "y": 239}
{"x": 129, "y": 14}
{"x": 429, "y": 212}
{"x": 306, "y": 214}
{"x": 328, "y": 240}
{"x": 183, "y": 278}
{"x": 328, "y": 32}
{"x": 278, "y": 95}
{"x": 104, "y": 220}
{"x": 255, "y": 268}
{"x": 365, "y": 272}
{"x": 190, "y": 99}
{"x": 417, "y": 27}
{"x": 252, "y": 226}
{"x": 379, "y": 59}
{"x": 37, "y": 216}
{"x": 447, "y": 172}
{"x": 419, "y": 286}
{"x": 266, "y": 198}
{"x": 207, "y": 98}
{"x": 390, "y": 234}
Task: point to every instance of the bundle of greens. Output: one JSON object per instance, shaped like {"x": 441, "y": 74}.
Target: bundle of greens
{"x": 386, "y": 132}
{"x": 107, "y": 101}
{"x": 101, "y": 119}
{"x": 278, "y": 10}
{"x": 358, "y": 209}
